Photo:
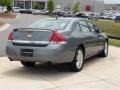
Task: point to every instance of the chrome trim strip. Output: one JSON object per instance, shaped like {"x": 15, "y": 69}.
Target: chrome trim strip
{"x": 28, "y": 42}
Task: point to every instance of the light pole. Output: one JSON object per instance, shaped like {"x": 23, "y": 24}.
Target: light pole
{"x": 31, "y": 4}
{"x": 13, "y": 3}
{"x": 93, "y": 5}
{"x": 24, "y": 4}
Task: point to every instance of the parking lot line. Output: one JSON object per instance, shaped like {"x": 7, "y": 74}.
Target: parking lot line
{"x": 4, "y": 27}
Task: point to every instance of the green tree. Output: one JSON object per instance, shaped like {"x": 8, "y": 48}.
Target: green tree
{"x": 50, "y": 6}
{"x": 7, "y": 3}
{"x": 36, "y": 6}
{"x": 76, "y": 7}
{"x": 2, "y": 2}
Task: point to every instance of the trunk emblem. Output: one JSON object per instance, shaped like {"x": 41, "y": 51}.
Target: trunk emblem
{"x": 29, "y": 35}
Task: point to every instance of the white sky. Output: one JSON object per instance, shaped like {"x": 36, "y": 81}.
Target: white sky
{"x": 112, "y": 1}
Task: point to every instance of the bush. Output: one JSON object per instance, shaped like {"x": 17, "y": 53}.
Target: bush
{"x": 7, "y": 3}
{"x": 76, "y": 8}
{"x": 9, "y": 8}
{"x": 2, "y": 3}
{"x": 36, "y": 6}
{"x": 50, "y": 6}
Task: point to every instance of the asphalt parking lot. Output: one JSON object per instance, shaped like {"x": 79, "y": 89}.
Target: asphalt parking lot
{"x": 23, "y": 21}
{"x": 98, "y": 74}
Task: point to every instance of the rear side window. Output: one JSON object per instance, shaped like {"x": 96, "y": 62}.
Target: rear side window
{"x": 91, "y": 24}
{"x": 92, "y": 27}
{"x": 83, "y": 23}
{"x": 84, "y": 26}
{"x": 76, "y": 26}
{"x": 84, "y": 29}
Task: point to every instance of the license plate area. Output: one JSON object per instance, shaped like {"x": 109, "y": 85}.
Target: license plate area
{"x": 27, "y": 52}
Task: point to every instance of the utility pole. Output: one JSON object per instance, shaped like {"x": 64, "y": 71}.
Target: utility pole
{"x": 94, "y": 1}
{"x": 24, "y": 4}
{"x": 13, "y": 3}
{"x": 31, "y": 4}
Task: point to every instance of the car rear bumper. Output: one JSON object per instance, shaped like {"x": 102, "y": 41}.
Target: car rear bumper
{"x": 56, "y": 53}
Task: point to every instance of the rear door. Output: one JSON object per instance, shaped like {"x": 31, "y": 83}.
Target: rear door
{"x": 90, "y": 38}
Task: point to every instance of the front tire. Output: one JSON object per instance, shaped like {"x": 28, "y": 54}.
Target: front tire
{"x": 78, "y": 61}
{"x": 104, "y": 53}
{"x": 27, "y": 63}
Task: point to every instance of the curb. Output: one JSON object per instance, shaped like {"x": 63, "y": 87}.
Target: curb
{"x": 17, "y": 16}
{"x": 3, "y": 27}
{"x": 114, "y": 37}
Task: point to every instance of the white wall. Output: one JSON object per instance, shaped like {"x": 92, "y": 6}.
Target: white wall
{"x": 97, "y": 5}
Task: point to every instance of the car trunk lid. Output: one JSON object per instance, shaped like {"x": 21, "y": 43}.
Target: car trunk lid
{"x": 32, "y": 36}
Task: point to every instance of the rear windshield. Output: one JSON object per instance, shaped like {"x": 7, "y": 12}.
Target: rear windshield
{"x": 51, "y": 24}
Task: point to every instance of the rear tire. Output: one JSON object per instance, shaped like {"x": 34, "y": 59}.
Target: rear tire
{"x": 78, "y": 61}
{"x": 27, "y": 63}
{"x": 104, "y": 53}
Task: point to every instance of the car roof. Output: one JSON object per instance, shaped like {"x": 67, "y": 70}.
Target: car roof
{"x": 71, "y": 18}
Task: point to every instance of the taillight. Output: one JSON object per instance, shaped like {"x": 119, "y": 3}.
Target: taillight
{"x": 10, "y": 37}
{"x": 58, "y": 38}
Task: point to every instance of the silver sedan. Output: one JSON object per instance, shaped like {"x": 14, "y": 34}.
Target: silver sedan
{"x": 62, "y": 40}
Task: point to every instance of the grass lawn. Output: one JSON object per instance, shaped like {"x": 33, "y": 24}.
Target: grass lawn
{"x": 114, "y": 42}
{"x": 110, "y": 27}
{"x": 9, "y": 15}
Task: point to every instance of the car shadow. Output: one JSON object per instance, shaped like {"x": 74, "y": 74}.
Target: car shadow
{"x": 46, "y": 71}
{"x": 40, "y": 71}
{"x": 92, "y": 60}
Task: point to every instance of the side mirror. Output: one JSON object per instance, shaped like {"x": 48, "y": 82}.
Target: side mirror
{"x": 101, "y": 30}
{"x": 98, "y": 30}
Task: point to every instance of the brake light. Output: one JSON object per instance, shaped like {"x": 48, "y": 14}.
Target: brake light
{"x": 58, "y": 38}
{"x": 10, "y": 37}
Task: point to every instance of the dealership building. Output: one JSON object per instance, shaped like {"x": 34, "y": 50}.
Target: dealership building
{"x": 85, "y": 5}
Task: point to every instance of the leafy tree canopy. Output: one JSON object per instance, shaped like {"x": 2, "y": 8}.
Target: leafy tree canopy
{"x": 76, "y": 7}
{"x": 50, "y": 6}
